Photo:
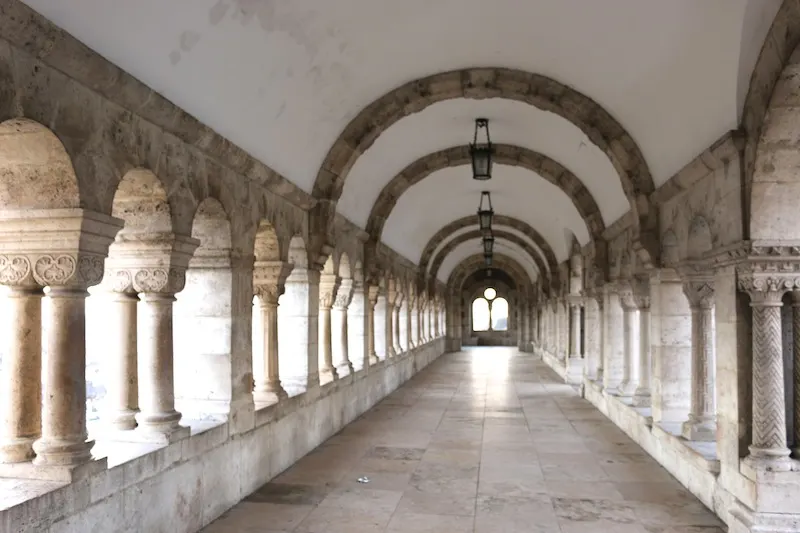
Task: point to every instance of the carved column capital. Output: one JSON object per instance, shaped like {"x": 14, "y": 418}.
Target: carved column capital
{"x": 373, "y": 293}
{"x": 625, "y": 291}
{"x": 767, "y": 289}
{"x": 162, "y": 280}
{"x": 700, "y": 293}
{"x": 328, "y": 286}
{"x": 344, "y": 294}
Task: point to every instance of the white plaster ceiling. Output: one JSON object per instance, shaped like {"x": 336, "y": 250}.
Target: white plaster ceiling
{"x": 282, "y": 79}
{"x": 451, "y": 193}
{"x": 497, "y": 227}
{"x": 452, "y": 123}
{"x": 473, "y": 246}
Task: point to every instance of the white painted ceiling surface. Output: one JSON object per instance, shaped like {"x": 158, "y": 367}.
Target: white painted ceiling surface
{"x": 473, "y": 247}
{"x": 449, "y": 194}
{"x": 452, "y": 123}
{"x": 283, "y": 79}
{"x": 498, "y": 227}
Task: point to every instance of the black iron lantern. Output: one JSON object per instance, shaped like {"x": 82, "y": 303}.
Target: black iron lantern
{"x": 488, "y": 244}
{"x": 481, "y": 153}
{"x": 487, "y": 259}
{"x": 485, "y": 214}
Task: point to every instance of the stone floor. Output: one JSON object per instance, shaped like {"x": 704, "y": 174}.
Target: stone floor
{"x": 485, "y": 440}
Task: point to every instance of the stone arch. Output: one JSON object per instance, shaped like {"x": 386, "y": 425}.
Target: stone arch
{"x": 500, "y": 220}
{"x": 540, "y": 91}
{"x": 212, "y": 227}
{"x": 774, "y": 184}
{"x": 141, "y": 201}
{"x": 506, "y": 154}
{"x": 436, "y": 263}
{"x": 699, "y": 240}
{"x": 298, "y": 254}
{"x": 345, "y": 272}
{"x": 329, "y": 267}
{"x": 777, "y": 63}
{"x": 267, "y": 244}
{"x": 475, "y": 262}
{"x": 35, "y": 170}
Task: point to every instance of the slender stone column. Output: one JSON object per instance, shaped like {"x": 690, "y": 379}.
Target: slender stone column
{"x": 768, "y": 449}
{"x": 702, "y": 425}
{"x": 21, "y": 375}
{"x": 630, "y": 328}
{"x": 420, "y": 321}
{"x": 413, "y": 332}
{"x": 575, "y": 329}
{"x": 344, "y": 296}
{"x": 613, "y": 350}
{"x": 268, "y": 286}
{"x": 328, "y": 285}
{"x": 156, "y": 365}
{"x": 122, "y": 380}
{"x": 358, "y": 330}
{"x": 641, "y": 398}
{"x": 796, "y": 368}
{"x": 592, "y": 338}
{"x": 374, "y": 292}
{"x": 391, "y": 296}
{"x": 64, "y": 437}
{"x": 299, "y": 320}
{"x": 398, "y": 303}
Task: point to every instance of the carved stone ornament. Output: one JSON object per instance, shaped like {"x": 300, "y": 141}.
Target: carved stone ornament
{"x": 766, "y": 287}
{"x": 268, "y": 293}
{"x": 625, "y": 291}
{"x": 344, "y": 295}
{"x": 54, "y": 270}
{"x": 374, "y": 291}
{"x": 700, "y": 293}
{"x": 158, "y": 280}
{"x": 14, "y": 269}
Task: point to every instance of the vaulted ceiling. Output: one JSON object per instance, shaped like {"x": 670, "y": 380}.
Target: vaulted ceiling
{"x": 619, "y": 81}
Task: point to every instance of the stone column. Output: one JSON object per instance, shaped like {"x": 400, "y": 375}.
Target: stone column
{"x": 613, "y": 351}
{"x": 630, "y": 328}
{"x": 702, "y": 425}
{"x": 591, "y": 338}
{"x": 21, "y": 371}
{"x": 420, "y": 321}
{"x": 768, "y": 449}
{"x": 796, "y": 369}
{"x": 344, "y": 296}
{"x": 268, "y": 286}
{"x": 358, "y": 329}
{"x": 641, "y": 398}
{"x": 391, "y": 297}
{"x": 413, "y": 332}
{"x": 328, "y": 286}
{"x": 575, "y": 328}
{"x": 398, "y": 303}
{"x": 374, "y": 292}
{"x": 122, "y": 378}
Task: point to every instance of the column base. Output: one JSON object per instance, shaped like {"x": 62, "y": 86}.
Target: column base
{"x": 763, "y": 460}
{"x": 163, "y": 437}
{"x": 62, "y": 473}
{"x": 642, "y": 398}
{"x": 60, "y": 452}
{"x": 699, "y": 430}
{"x": 345, "y": 369}
{"x": 158, "y": 422}
{"x": 122, "y": 419}
{"x": 627, "y": 389}
{"x": 328, "y": 374}
{"x": 373, "y": 359}
{"x": 17, "y": 450}
{"x": 269, "y": 394}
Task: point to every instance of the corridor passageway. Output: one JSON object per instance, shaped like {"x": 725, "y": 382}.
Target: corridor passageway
{"x": 483, "y": 440}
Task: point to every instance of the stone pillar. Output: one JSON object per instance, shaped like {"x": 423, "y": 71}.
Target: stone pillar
{"x": 358, "y": 329}
{"x": 420, "y": 321}
{"x": 122, "y": 376}
{"x": 591, "y": 338}
{"x": 702, "y": 425}
{"x": 575, "y": 328}
{"x": 768, "y": 450}
{"x": 630, "y": 328}
{"x": 413, "y": 332}
{"x": 613, "y": 354}
{"x": 341, "y": 343}
{"x": 641, "y": 398}
{"x": 796, "y": 369}
{"x": 328, "y": 286}
{"x": 374, "y": 292}
{"x": 404, "y": 317}
{"x": 21, "y": 372}
{"x": 299, "y": 319}
{"x": 268, "y": 286}
{"x": 391, "y": 297}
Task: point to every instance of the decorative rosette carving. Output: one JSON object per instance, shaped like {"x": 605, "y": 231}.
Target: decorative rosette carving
{"x": 14, "y": 269}
{"x": 54, "y": 270}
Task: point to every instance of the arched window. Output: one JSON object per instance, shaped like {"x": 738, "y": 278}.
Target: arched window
{"x": 489, "y": 313}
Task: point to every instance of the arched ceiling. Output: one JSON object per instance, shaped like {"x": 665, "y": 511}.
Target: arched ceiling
{"x": 498, "y": 229}
{"x": 449, "y": 194}
{"x": 472, "y": 247}
{"x": 646, "y": 85}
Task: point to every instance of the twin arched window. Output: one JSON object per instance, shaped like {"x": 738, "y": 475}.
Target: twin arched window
{"x": 489, "y": 313}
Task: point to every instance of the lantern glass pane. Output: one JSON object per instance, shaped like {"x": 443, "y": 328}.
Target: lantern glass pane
{"x": 481, "y": 163}
{"x": 488, "y": 244}
{"x": 485, "y": 220}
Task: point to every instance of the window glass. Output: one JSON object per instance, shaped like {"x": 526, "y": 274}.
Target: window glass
{"x": 500, "y": 314}
{"x": 489, "y": 294}
{"x": 480, "y": 315}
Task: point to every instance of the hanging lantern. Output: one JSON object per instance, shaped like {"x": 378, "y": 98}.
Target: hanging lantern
{"x": 488, "y": 244}
{"x": 481, "y": 153}
{"x": 487, "y": 259}
{"x": 485, "y": 214}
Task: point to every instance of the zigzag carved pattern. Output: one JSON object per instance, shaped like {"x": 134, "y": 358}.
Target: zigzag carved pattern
{"x": 769, "y": 428}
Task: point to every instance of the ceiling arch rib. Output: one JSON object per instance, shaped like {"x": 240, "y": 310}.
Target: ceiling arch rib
{"x": 539, "y": 255}
{"x": 547, "y": 94}
{"x": 499, "y": 235}
{"x": 440, "y": 236}
{"x": 474, "y": 263}
{"x": 448, "y": 194}
{"x": 540, "y": 165}
{"x": 472, "y": 247}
